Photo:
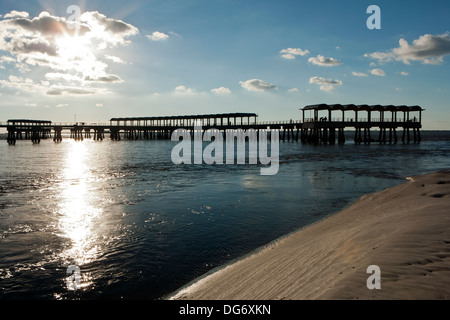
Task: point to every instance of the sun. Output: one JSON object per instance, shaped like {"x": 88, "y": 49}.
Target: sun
{"x": 76, "y": 52}
{"x": 73, "y": 47}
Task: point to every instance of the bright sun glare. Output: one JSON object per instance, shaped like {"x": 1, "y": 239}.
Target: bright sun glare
{"x": 76, "y": 51}
{"x": 77, "y": 208}
{"x": 73, "y": 47}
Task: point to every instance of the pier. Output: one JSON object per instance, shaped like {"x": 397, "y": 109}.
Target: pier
{"x": 33, "y": 130}
{"x": 325, "y": 124}
{"x": 325, "y": 120}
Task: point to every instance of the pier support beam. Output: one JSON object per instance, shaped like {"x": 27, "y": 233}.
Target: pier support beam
{"x": 57, "y": 136}
{"x": 11, "y": 136}
{"x": 35, "y": 136}
{"x": 99, "y": 134}
{"x": 76, "y": 134}
{"x": 115, "y": 134}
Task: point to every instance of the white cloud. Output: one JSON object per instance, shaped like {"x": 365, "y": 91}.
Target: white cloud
{"x": 20, "y": 83}
{"x": 115, "y": 59}
{"x": 290, "y": 53}
{"x": 320, "y": 80}
{"x": 174, "y": 34}
{"x": 288, "y": 56}
{"x": 221, "y": 90}
{"x": 110, "y": 31}
{"x": 398, "y": 89}
{"x": 326, "y": 87}
{"x": 325, "y": 62}
{"x": 7, "y": 59}
{"x": 72, "y": 90}
{"x": 359, "y": 74}
{"x": 293, "y": 90}
{"x": 62, "y": 105}
{"x": 158, "y": 36}
{"x": 257, "y": 85}
{"x": 404, "y": 73}
{"x": 16, "y": 14}
{"x": 99, "y": 105}
{"x": 30, "y": 104}
{"x": 325, "y": 84}
{"x": 378, "y": 72}
{"x": 429, "y": 49}
{"x": 28, "y": 85}
{"x": 64, "y": 76}
{"x": 183, "y": 90}
{"x": 112, "y": 78}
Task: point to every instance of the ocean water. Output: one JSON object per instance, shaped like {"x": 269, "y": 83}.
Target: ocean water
{"x": 140, "y": 227}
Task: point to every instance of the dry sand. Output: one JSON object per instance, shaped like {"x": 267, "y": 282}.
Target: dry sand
{"x": 405, "y": 230}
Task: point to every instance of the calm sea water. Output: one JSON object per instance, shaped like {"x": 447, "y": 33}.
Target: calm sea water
{"x": 139, "y": 226}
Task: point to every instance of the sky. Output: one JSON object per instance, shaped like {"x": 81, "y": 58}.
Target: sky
{"x": 90, "y": 61}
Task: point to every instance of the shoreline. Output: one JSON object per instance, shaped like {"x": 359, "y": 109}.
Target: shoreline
{"x": 405, "y": 230}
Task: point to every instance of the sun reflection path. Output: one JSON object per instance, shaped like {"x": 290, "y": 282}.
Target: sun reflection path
{"x": 78, "y": 214}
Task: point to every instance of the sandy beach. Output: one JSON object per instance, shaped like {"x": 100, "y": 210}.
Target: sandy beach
{"x": 405, "y": 230}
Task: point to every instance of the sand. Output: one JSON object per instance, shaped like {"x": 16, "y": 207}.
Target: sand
{"x": 404, "y": 230}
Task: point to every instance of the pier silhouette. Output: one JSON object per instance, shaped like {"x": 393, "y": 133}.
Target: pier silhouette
{"x": 362, "y": 118}
{"x": 325, "y": 124}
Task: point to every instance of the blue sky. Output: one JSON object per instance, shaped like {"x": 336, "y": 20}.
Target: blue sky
{"x": 150, "y": 58}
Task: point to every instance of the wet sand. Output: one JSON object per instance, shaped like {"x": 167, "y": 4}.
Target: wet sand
{"x": 405, "y": 230}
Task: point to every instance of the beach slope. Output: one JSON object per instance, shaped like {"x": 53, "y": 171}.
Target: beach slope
{"x": 404, "y": 230}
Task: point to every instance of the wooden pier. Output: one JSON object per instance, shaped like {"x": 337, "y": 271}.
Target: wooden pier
{"x": 33, "y": 130}
{"x": 322, "y": 126}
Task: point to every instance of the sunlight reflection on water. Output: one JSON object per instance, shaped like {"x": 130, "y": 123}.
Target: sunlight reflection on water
{"x": 79, "y": 216}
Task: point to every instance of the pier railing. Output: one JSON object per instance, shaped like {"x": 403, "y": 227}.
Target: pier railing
{"x": 104, "y": 124}
{"x": 279, "y": 122}
{"x": 204, "y": 123}
{"x": 52, "y": 124}
{"x": 352, "y": 120}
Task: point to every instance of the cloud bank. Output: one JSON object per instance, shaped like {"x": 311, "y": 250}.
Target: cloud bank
{"x": 72, "y": 52}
